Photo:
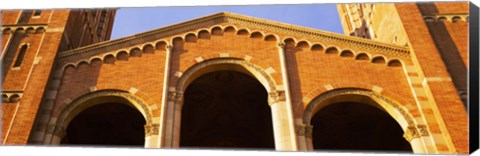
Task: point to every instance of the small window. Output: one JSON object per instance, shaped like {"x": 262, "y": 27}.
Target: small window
{"x": 37, "y": 13}
{"x": 20, "y": 56}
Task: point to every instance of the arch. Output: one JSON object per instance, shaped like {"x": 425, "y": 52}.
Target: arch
{"x": 347, "y": 53}
{"x": 378, "y": 59}
{"x": 223, "y": 63}
{"x": 148, "y": 49}
{"x": 303, "y": 44}
{"x": 6, "y": 30}
{"x": 99, "y": 97}
{"x": 455, "y": 19}
{"x": 122, "y": 55}
{"x": 161, "y": 45}
{"x": 392, "y": 107}
{"x": 216, "y": 31}
{"x": 230, "y": 29}
{"x": 362, "y": 56}
{"x": 332, "y": 50}
{"x": 30, "y": 30}
{"x": 316, "y": 47}
{"x": 5, "y": 98}
{"x": 429, "y": 19}
{"x": 203, "y": 34}
{"x": 441, "y": 19}
{"x": 256, "y": 35}
{"x": 243, "y": 31}
{"x": 40, "y": 30}
{"x": 394, "y": 63}
{"x": 109, "y": 59}
{"x": 190, "y": 37}
{"x": 135, "y": 52}
{"x": 271, "y": 37}
{"x": 14, "y": 98}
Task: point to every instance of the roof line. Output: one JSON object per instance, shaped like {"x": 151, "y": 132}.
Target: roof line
{"x": 238, "y": 19}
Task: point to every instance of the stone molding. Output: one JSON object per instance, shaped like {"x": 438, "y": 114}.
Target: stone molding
{"x": 222, "y": 17}
{"x": 151, "y": 129}
{"x": 417, "y": 131}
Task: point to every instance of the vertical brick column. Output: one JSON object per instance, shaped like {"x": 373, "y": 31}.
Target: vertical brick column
{"x": 444, "y": 109}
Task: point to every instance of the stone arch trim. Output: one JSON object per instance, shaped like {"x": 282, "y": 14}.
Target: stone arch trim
{"x": 138, "y": 103}
{"x": 253, "y": 68}
{"x": 382, "y": 100}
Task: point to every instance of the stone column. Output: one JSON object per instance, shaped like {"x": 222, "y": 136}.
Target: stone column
{"x": 283, "y": 131}
{"x": 151, "y": 136}
{"x": 281, "y": 106}
{"x": 413, "y": 136}
{"x": 304, "y": 134}
{"x": 161, "y": 137}
{"x": 58, "y": 133}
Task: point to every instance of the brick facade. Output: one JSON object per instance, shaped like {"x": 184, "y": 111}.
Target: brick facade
{"x": 410, "y": 78}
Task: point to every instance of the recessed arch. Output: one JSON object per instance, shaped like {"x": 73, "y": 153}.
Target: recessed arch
{"x": 100, "y": 97}
{"x": 442, "y": 19}
{"x": 230, "y": 29}
{"x": 135, "y": 52}
{"x": 290, "y": 42}
{"x": 203, "y": 34}
{"x": 456, "y": 19}
{"x": 148, "y": 49}
{"x": 122, "y": 55}
{"x": 256, "y": 35}
{"x": 271, "y": 37}
{"x": 243, "y": 32}
{"x": 191, "y": 37}
{"x": 109, "y": 59}
{"x": 394, "y": 109}
{"x": 161, "y": 45}
{"x": 394, "y": 63}
{"x": 317, "y": 47}
{"x": 303, "y": 44}
{"x": 378, "y": 59}
{"x": 363, "y": 57}
{"x": 217, "y": 31}
{"x": 332, "y": 50}
{"x": 347, "y": 53}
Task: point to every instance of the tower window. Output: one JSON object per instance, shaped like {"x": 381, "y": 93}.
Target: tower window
{"x": 20, "y": 56}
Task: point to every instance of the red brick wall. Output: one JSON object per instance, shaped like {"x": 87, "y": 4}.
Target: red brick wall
{"x": 444, "y": 92}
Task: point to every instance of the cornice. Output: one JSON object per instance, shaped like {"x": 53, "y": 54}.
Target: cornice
{"x": 234, "y": 19}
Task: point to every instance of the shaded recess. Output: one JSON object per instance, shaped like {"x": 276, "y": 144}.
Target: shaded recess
{"x": 357, "y": 126}
{"x": 226, "y": 109}
{"x": 109, "y": 124}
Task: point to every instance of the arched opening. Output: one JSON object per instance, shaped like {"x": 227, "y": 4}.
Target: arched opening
{"x": 106, "y": 124}
{"x": 345, "y": 125}
{"x": 226, "y": 109}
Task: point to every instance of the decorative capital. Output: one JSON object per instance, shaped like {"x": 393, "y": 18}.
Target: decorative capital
{"x": 280, "y": 44}
{"x": 413, "y": 132}
{"x": 276, "y": 96}
{"x": 151, "y": 129}
{"x": 169, "y": 47}
{"x": 174, "y": 96}
{"x": 59, "y": 131}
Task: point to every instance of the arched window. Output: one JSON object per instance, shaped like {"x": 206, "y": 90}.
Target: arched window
{"x": 20, "y": 56}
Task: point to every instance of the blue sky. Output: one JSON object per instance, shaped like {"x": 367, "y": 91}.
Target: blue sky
{"x": 129, "y": 21}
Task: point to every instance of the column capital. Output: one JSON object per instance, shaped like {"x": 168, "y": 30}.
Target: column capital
{"x": 275, "y": 97}
{"x": 174, "y": 96}
{"x": 417, "y": 131}
{"x": 60, "y": 131}
{"x": 169, "y": 47}
{"x": 151, "y": 129}
{"x": 280, "y": 44}
{"x": 304, "y": 130}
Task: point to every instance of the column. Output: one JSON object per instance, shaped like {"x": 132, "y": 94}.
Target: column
{"x": 161, "y": 137}
{"x": 151, "y": 136}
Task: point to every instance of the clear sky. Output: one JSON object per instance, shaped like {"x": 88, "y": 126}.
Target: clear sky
{"x": 129, "y": 21}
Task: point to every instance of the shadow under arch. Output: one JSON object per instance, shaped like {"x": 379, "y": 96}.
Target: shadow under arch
{"x": 92, "y": 99}
{"x": 175, "y": 101}
{"x": 391, "y": 107}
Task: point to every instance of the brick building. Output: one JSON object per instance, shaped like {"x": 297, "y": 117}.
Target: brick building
{"x": 395, "y": 81}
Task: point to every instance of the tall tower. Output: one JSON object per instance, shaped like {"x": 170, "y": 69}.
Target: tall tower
{"x": 437, "y": 35}
{"x": 31, "y": 39}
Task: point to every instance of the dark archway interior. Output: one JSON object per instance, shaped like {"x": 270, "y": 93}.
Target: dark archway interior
{"x": 226, "y": 109}
{"x": 357, "y": 126}
{"x": 109, "y": 124}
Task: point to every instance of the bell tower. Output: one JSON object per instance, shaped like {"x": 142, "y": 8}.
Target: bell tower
{"x": 31, "y": 39}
